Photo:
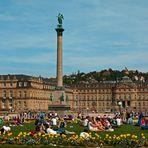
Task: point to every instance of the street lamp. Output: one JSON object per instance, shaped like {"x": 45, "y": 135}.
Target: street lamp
{"x": 127, "y": 107}
{"x": 87, "y": 109}
{"x": 120, "y": 105}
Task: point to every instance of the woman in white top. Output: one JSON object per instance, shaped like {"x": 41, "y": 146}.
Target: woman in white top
{"x": 5, "y": 129}
{"x": 118, "y": 121}
{"x": 85, "y": 122}
{"x": 51, "y": 131}
{"x": 85, "y": 134}
{"x": 54, "y": 121}
{"x": 91, "y": 126}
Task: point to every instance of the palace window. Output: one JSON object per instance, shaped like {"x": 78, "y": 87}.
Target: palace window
{"x": 10, "y": 101}
{"x": 119, "y": 97}
{"x": 4, "y": 83}
{"x": 19, "y": 94}
{"x": 79, "y": 97}
{"x": 10, "y": 83}
{"x": 4, "y": 94}
{"x": 87, "y": 97}
{"x": 3, "y": 101}
{"x": 76, "y": 103}
{"x": 84, "y": 97}
{"x": 25, "y": 104}
{"x": 25, "y": 94}
{"x": 11, "y": 94}
{"x": 128, "y": 103}
{"x": 107, "y": 97}
{"x": 76, "y": 97}
{"x": 25, "y": 84}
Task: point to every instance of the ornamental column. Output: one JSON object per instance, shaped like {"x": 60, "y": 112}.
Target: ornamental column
{"x": 59, "y": 31}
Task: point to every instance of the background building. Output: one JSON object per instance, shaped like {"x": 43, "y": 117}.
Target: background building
{"x": 111, "y": 96}
{"x": 26, "y": 93}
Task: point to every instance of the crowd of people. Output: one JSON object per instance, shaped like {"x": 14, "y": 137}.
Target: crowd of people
{"x": 54, "y": 125}
{"x": 51, "y": 123}
{"x": 110, "y": 122}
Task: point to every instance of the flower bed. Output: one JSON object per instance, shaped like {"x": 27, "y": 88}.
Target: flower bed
{"x": 24, "y": 138}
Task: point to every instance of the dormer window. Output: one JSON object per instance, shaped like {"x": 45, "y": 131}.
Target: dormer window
{"x": 25, "y": 84}
{"x": 20, "y": 84}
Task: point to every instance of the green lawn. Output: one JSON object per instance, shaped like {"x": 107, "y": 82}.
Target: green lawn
{"x": 124, "y": 129}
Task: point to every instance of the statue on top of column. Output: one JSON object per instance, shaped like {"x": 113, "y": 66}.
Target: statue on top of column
{"x": 60, "y": 18}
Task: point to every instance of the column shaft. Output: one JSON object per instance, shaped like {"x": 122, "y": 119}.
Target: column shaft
{"x": 59, "y": 61}
{"x": 59, "y": 57}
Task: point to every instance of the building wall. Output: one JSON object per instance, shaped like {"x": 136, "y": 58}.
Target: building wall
{"x": 106, "y": 97}
{"x": 26, "y": 93}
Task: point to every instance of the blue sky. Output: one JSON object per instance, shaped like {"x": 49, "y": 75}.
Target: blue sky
{"x": 99, "y": 34}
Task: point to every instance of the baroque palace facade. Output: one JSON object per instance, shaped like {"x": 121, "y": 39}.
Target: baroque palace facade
{"x": 105, "y": 96}
{"x": 26, "y": 93}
